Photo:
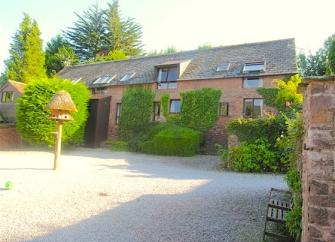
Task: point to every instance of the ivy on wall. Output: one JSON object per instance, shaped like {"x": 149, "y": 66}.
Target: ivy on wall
{"x": 136, "y": 112}
{"x": 199, "y": 108}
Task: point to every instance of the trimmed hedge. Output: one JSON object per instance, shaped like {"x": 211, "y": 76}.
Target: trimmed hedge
{"x": 136, "y": 112}
{"x": 172, "y": 140}
{"x": 33, "y": 121}
{"x": 199, "y": 108}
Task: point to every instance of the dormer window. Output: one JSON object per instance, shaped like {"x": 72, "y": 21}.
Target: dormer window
{"x": 253, "y": 67}
{"x": 167, "y": 74}
{"x": 167, "y": 77}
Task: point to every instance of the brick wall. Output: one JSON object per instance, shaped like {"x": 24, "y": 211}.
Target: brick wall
{"x": 318, "y": 177}
{"x": 9, "y": 138}
{"x": 233, "y": 93}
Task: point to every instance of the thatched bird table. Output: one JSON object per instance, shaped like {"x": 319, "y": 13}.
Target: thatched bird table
{"x": 61, "y": 106}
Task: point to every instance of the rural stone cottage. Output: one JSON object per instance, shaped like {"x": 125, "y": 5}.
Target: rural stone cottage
{"x": 237, "y": 69}
{"x": 9, "y": 92}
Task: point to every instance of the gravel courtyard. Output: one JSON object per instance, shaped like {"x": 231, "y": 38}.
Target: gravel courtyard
{"x": 100, "y": 195}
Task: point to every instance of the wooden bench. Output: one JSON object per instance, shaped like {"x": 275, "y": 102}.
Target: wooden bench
{"x": 279, "y": 204}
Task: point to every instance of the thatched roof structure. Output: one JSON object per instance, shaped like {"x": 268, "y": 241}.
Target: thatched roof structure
{"x": 62, "y": 101}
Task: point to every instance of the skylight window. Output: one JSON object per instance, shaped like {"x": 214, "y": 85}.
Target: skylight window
{"x": 253, "y": 67}
{"x": 127, "y": 77}
{"x": 104, "y": 79}
{"x": 223, "y": 67}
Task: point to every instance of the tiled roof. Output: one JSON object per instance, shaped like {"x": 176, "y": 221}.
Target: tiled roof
{"x": 19, "y": 86}
{"x": 279, "y": 57}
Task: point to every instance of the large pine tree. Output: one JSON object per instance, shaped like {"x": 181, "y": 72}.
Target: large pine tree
{"x": 88, "y": 35}
{"x": 123, "y": 34}
{"x": 26, "y": 61}
{"x": 58, "y": 54}
{"x": 98, "y": 34}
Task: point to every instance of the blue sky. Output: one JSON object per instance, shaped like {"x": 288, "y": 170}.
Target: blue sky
{"x": 186, "y": 24}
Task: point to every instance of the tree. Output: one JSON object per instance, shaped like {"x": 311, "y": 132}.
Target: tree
{"x": 331, "y": 56}
{"x": 113, "y": 55}
{"x": 33, "y": 121}
{"x": 26, "y": 61}
{"x": 58, "y": 54}
{"x": 123, "y": 34}
{"x": 205, "y": 46}
{"x": 285, "y": 97}
{"x": 99, "y": 33}
{"x": 317, "y": 64}
{"x": 169, "y": 50}
{"x": 88, "y": 36}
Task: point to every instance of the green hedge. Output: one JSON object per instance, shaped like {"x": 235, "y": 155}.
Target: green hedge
{"x": 199, "y": 108}
{"x": 251, "y": 157}
{"x": 136, "y": 112}
{"x": 33, "y": 121}
{"x": 172, "y": 140}
{"x": 268, "y": 128}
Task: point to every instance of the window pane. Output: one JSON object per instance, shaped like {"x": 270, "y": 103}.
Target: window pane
{"x": 223, "y": 109}
{"x": 172, "y": 74}
{"x": 7, "y": 97}
{"x": 162, "y": 75}
{"x": 248, "y": 107}
{"x": 258, "y": 105}
{"x": 174, "y": 106}
{"x": 253, "y": 67}
{"x": 252, "y": 83}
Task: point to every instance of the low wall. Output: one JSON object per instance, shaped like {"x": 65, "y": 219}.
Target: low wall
{"x": 9, "y": 138}
{"x": 318, "y": 176}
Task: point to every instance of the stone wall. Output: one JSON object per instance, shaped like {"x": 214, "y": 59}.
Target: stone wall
{"x": 9, "y": 138}
{"x": 318, "y": 177}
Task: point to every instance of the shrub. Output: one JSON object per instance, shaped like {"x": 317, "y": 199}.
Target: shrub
{"x": 199, "y": 108}
{"x": 118, "y": 145}
{"x": 172, "y": 140}
{"x": 33, "y": 121}
{"x": 251, "y": 157}
{"x": 136, "y": 112}
{"x": 293, "y": 146}
{"x": 268, "y": 128}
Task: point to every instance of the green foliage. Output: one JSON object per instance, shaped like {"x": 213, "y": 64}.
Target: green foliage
{"x": 251, "y": 157}
{"x": 165, "y": 100}
{"x": 205, "y": 46}
{"x": 172, "y": 140}
{"x": 88, "y": 35}
{"x": 98, "y": 34}
{"x": 26, "y": 61}
{"x": 33, "y": 121}
{"x": 199, "y": 108}
{"x": 118, "y": 145}
{"x": 58, "y": 54}
{"x": 331, "y": 56}
{"x": 136, "y": 112}
{"x": 168, "y": 50}
{"x": 268, "y": 127}
{"x": 269, "y": 95}
{"x": 123, "y": 34}
{"x": 113, "y": 55}
{"x": 319, "y": 63}
{"x": 293, "y": 145}
{"x": 285, "y": 97}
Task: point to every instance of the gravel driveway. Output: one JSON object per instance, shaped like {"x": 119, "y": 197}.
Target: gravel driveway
{"x": 100, "y": 195}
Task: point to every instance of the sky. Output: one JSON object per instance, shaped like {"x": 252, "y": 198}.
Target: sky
{"x": 186, "y": 24}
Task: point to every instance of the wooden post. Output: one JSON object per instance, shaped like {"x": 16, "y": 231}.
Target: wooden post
{"x": 58, "y": 144}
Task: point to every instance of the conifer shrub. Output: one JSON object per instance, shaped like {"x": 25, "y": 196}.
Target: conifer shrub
{"x": 33, "y": 121}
